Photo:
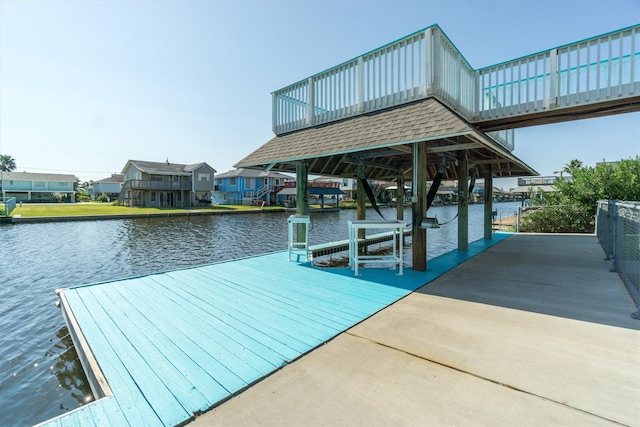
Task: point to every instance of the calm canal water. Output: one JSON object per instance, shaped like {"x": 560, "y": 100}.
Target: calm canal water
{"x": 40, "y": 375}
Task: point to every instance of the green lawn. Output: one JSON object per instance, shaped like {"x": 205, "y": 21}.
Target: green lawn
{"x": 75, "y": 209}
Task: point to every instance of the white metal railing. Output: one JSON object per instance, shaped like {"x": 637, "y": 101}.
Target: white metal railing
{"x": 426, "y": 63}
{"x": 598, "y": 69}
{"x": 422, "y": 64}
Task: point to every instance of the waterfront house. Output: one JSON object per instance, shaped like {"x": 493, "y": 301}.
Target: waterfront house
{"x": 37, "y": 187}
{"x": 535, "y": 187}
{"x": 318, "y": 192}
{"x": 347, "y": 185}
{"x": 111, "y": 187}
{"x": 248, "y": 187}
{"x": 165, "y": 184}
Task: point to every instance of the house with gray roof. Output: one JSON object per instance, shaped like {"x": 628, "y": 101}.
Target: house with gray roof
{"x": 111, "y": 187}
{"x": 37, "y": 187}
{"x": 165, "y": 184}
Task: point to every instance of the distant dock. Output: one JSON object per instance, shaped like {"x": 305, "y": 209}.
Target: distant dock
{"x": 162, "y": 348}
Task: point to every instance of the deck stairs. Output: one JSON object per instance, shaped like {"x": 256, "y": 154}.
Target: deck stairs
{"x": 125, "y": 187}
{"x": 258, "y": 194}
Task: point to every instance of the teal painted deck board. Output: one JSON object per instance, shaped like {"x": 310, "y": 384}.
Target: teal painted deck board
{"x": 188, "y": 384}
{"x": 283, "y": 303}
{"x": 176, "y": 343}
{"x": 154, "y": 391}
{"x": 272, "y": 333}
{"x": 121, "y": 383}
{"x": 230, "y": 329}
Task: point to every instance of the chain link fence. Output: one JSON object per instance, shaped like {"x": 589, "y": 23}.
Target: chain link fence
{"x": 618, "y": 230}
{"x": 555, "y": 219}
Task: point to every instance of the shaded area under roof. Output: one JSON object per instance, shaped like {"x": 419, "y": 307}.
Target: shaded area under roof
{"x": 382, "y": 142}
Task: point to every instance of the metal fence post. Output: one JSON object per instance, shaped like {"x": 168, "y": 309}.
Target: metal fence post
{"x": 614, "y": 209}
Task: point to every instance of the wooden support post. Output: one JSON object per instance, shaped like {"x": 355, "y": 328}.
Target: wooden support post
{"x": 302, "y": 206}
{"x": 419, "y": 206}
{"x": 463, "y": 202}
{"x": 488, "y": 202}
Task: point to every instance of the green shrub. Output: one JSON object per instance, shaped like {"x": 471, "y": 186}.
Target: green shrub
{"x": 103, "y": 198}
{"x": 557, "y": 219}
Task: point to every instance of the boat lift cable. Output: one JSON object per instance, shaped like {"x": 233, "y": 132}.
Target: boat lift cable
{"x": 436, "y": 184}
{"x": 372, "y": 198}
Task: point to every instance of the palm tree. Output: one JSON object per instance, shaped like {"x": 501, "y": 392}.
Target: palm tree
{"x": 7, "y": 163}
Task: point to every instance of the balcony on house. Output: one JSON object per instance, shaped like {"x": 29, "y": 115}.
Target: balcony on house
{"x": 141, "y": 184}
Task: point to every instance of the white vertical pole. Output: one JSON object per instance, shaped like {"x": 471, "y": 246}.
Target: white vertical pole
{"x": 361, "y": 84}
{"x": 553, "y": 85}
{"x": 632, "y": 80}
{"x": 429, "y": 61}
{"x": 274, "y": 113}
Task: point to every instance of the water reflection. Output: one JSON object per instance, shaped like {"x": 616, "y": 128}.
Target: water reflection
{"x": 68, "y": 369}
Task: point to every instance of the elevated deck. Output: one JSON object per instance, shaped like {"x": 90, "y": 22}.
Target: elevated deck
{"x": 161, "y": 348}
{"x": 593, "y": 77}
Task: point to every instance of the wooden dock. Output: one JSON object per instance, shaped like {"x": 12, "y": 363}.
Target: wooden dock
{"x": 161, "y": 348}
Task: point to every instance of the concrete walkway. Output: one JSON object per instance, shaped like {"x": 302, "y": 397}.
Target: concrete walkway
{"x": 533, "y": 331}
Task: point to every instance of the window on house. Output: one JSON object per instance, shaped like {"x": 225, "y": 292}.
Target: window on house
{"x": 39, "y": 184}
{"x": 204, "y": 177}
{"x": 10, "y": 182}
{"x": 232, "y": 181}
{"x": 224, "y": 196}
{"x": 153, "y": 196}
{"x": 179, "y": 196}
{"x": 155, "y": 177}
{"x": 64, "y": 184}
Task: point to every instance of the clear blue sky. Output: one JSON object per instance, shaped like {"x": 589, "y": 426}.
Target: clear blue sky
{"x": 87, "y": 85}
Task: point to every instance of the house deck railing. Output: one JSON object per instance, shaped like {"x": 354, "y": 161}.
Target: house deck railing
{"x": 426, "y": 64}
{"x": 139, "y": 184}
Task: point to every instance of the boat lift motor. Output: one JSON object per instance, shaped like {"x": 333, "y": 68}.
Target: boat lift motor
{"x": 430, "y": 222}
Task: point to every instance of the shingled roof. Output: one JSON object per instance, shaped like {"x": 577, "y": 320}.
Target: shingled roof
{"x": 382, "y": 142}
{"x": 164, "y": 167}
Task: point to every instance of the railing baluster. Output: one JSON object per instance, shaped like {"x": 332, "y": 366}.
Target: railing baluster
{"x": 620, "y": 56}
{"x": 578, "y": 83}
{"x": 632, "y": 76}
{"x": 609, "y": 71}
{"x": 598, "y": 67}
{"x": 588, "y": 83}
